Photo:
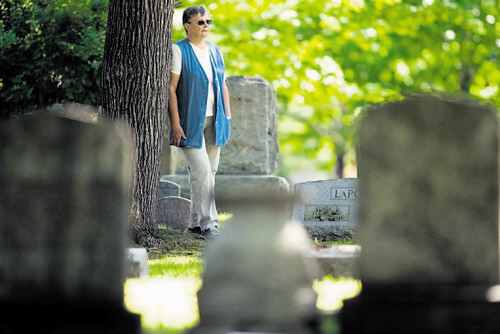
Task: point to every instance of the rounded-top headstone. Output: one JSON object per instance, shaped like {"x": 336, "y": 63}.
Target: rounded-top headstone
{"x": 174, "y": 212}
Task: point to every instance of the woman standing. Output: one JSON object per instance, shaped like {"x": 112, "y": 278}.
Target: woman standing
{"x": 200, "y": 115}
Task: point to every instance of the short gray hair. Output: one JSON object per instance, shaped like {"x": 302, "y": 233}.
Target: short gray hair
{"x": 192, "y": 11}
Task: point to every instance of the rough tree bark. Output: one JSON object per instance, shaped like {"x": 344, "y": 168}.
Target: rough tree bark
{"x": 134, "y": 89}
{"x": 339, "y": 167}
{"x": 465, "y": 78}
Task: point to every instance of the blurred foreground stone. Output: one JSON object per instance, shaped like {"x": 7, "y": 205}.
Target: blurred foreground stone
{"x": 428, "y": 219}
{"x": 257, "y": 277}
{"x": 64, "y": 194}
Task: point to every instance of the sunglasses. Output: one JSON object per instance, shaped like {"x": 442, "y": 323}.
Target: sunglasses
{"x": 202, "y": 23}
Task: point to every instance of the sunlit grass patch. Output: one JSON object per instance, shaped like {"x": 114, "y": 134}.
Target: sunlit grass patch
{"x": 336, "y": 242}
{"x": 176, "y": 266}
{"x": 332, "y": 291}
{"x": 164, "y": 303}
{"x": 224, "y": 218}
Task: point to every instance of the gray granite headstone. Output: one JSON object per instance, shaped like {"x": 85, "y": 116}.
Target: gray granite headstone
{"x": 64, "y": 193}
{"x": 168, "y": 188}
{"x": 174, "y": 212}
{"x": 253, "y": 147}
{"x": 428, "y": 223}
{"x": 329, "y": 208}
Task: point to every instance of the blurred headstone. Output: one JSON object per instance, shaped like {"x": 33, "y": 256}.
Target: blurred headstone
{"x": 337, "y": 260}
{"x": 428, "y": 219}
{"x": 329, "y": 208}
{"x": 257, "y": 277}
{"x": 64, "y": 193}
{"x": 137, "y": 262}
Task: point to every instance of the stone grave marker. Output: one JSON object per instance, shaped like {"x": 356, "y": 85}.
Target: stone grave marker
{"x": 428, "y": 219}
{"x": 174, "y": 212}
{"x": 137, "y": 262}
{"x": 64, "y": 194}
{"x": 168, "y": 188}
{"x": 329, "y": 208}
{"x": 253, "y": 146}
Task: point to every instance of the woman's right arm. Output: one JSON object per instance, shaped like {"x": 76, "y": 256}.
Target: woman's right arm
{"x": 176, "y": 132}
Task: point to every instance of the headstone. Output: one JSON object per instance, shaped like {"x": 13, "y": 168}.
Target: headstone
{"x": 174, "y": 212}
{"x": 428, "y": 219}
{"x": 64, "y": 194}
{"x": 256, "y": 276}
{"x": 329, "y": 208}
{"x": 253, "y": 147}
{"x": 168, "y": 188}
{"x": 137, "y": 262}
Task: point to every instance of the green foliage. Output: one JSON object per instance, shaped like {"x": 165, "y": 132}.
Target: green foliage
{"x": 50, "y": 51}
{"x": 328, "y": 60}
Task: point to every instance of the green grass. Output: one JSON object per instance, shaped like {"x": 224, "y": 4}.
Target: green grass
{"x": 167, "y": 300}
{"x": 176, "y": 266}
{"x": 336, "y": 242}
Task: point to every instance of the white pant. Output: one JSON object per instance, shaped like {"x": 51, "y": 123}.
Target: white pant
{"x": 202, "y": 164}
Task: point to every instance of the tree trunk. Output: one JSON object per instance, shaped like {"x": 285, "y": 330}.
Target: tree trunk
{"x": 339, "y": 170}
{"x": 134, "y": 88}
{"x": 465, "y": 78}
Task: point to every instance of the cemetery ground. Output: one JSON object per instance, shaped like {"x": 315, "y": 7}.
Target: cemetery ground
{"x": 167, "y": 298}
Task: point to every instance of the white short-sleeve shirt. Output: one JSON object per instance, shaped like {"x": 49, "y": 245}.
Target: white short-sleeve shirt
{"x": 203, "y": 56}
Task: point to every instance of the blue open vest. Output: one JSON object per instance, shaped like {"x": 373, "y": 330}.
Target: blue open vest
{"x": 192, "y": 91}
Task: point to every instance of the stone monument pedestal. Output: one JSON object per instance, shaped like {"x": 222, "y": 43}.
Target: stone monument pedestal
{"x": 225, "y": 184}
